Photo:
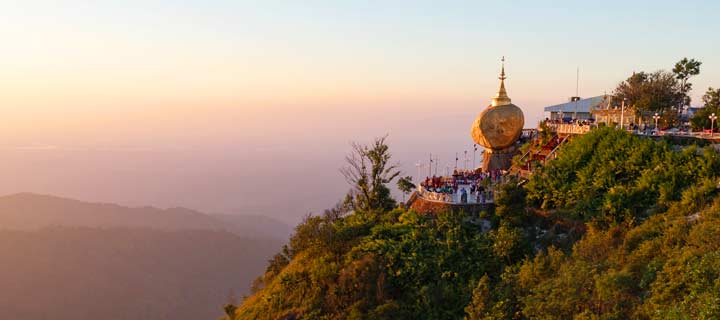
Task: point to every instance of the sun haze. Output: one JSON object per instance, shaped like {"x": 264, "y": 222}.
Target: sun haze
{"x": 225, "y": 106}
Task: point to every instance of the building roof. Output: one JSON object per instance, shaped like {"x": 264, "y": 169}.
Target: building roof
{"x": 583, "y": 105}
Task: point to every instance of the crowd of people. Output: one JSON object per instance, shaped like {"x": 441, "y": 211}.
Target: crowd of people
{"x": 581, "y": 122}
{"x": 463, "y": 186}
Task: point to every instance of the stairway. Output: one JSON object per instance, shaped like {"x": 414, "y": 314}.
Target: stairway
{"x": 546, "y": 152}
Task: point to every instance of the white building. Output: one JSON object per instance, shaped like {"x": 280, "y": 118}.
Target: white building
{"x": 576, "y": 108}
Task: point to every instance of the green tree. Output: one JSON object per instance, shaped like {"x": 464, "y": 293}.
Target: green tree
{"x": 683, "y": 70}
{"x": 508, "y": 243}
{"x": 650, "y": 92}
{"x": 481, "y": 303}
{"x": 278, "y": 262}
{"x": 711, "y": 100}
{"x": 368, "y": 171}
{"x": 229, "y": 311}
{"x": 405, "y": 185}
{"x": 510, "y": 203}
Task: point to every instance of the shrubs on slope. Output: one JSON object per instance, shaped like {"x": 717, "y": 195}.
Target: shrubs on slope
{"x": 393, "y": 265}
{"x": 650, "y": 247}
{"x": 609, "y": 176}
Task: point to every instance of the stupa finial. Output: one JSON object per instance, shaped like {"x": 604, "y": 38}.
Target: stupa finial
{"x": 502, "y": 72}
{"x": 501, "y": 98}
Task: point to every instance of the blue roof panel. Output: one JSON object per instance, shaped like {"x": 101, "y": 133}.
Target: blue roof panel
{"x": 582, "y": 105}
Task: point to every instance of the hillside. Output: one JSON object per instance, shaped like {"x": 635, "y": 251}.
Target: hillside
{"x": 88, "y": 273}
{"x": 27, "y": 211}
{"x": 66, "y": 259}
{"x": 617, "y": 227}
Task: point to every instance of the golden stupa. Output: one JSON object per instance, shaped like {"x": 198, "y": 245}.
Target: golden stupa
{"x": 497, "y": 128}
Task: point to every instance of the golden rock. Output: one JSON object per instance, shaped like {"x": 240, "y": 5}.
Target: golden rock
{"x": 501, "y": 123}
{"x": 498, "y": 127}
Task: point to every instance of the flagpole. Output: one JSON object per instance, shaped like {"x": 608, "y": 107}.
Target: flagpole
{"x": 430, "y": 166}
{"x": 419, "y": 167}
{"x": 466, "y": 160}
{"x": 474, "y": 152}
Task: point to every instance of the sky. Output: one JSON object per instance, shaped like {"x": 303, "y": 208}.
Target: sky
{"x": 249, "y": 106}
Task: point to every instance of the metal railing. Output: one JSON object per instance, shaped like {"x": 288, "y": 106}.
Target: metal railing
{"x": 553, "y": 152}
{"x": 487, "y": 197}
{"x": 568, "y": 128}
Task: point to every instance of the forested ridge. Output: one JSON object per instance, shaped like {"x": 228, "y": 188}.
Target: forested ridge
{"x": 617, "y": 227}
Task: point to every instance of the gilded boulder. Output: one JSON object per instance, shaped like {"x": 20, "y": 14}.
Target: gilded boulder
{"x": 498, "y": 127}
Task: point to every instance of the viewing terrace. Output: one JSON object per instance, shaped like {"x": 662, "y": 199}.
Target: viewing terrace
{"x": 481, "y": 197}
{"x": 572, "y": 129}
{"x": 469, "y": 191}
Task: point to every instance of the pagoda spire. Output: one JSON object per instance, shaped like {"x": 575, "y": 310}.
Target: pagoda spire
{"x": 501, "y": 98}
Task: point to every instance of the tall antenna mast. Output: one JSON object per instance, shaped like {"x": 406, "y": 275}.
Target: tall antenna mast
{"x": 577, "y": 83}
{"x": 577, "y": 91}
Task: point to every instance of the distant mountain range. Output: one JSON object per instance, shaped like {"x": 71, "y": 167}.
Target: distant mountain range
{"x": 28, "y": 211}
{"x": 68, "y": 259}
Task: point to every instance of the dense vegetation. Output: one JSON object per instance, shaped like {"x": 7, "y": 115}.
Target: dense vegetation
{"x": 616, "y": 227}
{"x": 711, "y": 104}
{"x": 609, "y": 176}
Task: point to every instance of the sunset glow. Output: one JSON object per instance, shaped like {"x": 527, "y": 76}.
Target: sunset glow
{"x": 157, "y": 76}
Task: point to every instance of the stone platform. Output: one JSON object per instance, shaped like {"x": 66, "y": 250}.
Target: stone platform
{"x": 425, "y": 206}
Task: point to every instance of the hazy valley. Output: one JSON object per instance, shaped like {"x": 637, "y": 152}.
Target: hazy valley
{"x": 66, "y": 259}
